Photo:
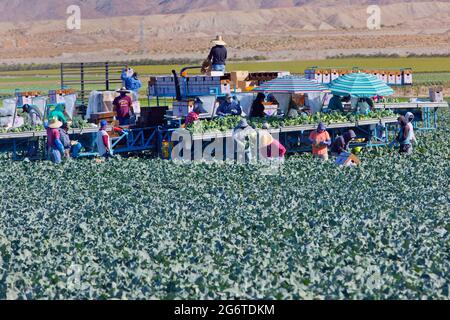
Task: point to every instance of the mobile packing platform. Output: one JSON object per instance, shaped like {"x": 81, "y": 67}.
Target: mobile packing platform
{"x": 177, "y": 94}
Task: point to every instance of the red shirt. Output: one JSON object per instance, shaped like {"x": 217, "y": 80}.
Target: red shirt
{"x": 52, "y": 136}
{"x": 122, "y": 106}
{"x": 276, "y": 150}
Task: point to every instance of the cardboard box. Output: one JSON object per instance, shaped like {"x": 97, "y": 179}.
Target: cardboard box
{"x": 334, "y": 75}
{"x": 183, "y": 108}
{"x": 348, "y": 160}
{"x": 326, "y": 76}
{"x": 237, "y": 76}
{"x": 407, "y": 77}
{"x": 437, "y": 94}
{"x": 318, "y": 76}
{"x": 398, "y": 78}
{"x": 391, "y": 78}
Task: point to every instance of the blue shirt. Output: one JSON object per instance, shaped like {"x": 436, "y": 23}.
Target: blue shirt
{"x": 229, "y": 108}
{"x": 131, "y": 83}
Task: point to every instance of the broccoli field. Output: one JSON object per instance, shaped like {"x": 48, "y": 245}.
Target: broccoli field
{"x": 148, "y": 229}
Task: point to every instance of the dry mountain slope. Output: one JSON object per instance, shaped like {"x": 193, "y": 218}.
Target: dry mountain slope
{"x": 20, "y": 10}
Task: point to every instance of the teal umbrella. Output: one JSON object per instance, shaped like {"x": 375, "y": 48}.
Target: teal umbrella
{"x": 360, "y": 85}
{"x": 291, "y": 84}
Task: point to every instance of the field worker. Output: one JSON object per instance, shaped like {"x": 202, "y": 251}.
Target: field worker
{"x": 34, "y": 115}
{"x": 342, "y": 143}
{"x": 218, "y": 55}
{"x": 410, "y": 117}
{"x": 335, "y": 104}
{"x": 229, "y": 107}
{"x": 364, "y": 105}
{"x": 244, "y": 136}
{"x": 59, "y": 113}
{"x": 192, "y": 117}
{"x": 258, "y": 108}
{"x": 54, "y": 145}
{"x": 131, "y": 83}
{"x": 270, "y": 147}
{"x": 320, "y": 140}
{"x": 405, "y": 136}
{"x": 71, "y": 148}
{"x": 123, "y": 106}
{"x": 104, "y": 141}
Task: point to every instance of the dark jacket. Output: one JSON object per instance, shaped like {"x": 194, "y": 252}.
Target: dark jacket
{"x": 257, "y": 110}
{"x": 341, "y": 144}
{"x": 218, "y": 55}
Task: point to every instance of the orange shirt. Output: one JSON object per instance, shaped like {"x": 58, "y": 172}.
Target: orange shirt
{"x": 318, "y": 138}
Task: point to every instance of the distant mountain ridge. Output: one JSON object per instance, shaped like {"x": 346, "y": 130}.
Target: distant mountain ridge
{"x": 20, "y": 10}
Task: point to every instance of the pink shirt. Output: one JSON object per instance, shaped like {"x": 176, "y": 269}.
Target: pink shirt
{"x": 276, "y": 150}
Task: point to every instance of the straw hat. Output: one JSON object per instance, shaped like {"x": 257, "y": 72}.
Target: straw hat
{"x": 219, "y": 41}
{"x": 265, "y": 140}
{"x": 123, "y": 89}
{"x": 55, "y": 124}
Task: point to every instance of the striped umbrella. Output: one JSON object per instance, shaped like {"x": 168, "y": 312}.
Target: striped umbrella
{"x": 291, "y": 84}
{"x": 360, "y": 85}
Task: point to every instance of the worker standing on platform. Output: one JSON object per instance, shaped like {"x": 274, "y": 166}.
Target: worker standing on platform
{"x": 335, "y": 104}
{"x": 34, "y": 115}
{"x": 123, "y": 106}
{"x": 131, "y": 83}
{"x": 59, "y": 113}
{"x": 54, "y": 145}
{"x": 320, "y": 140}
{"x": 218, "y": 55}
{"x": 258, "y": 108}
{"x": 342, "y": 143}
{"x": 104, "y": 141}
{"x": 229, "y": 107}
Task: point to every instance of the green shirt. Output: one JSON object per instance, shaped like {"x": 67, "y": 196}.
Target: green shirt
{"x": 59, "y": 115}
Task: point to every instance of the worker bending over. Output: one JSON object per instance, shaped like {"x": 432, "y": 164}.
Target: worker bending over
{"x": 71, "y": 148}
{"x": 34, "y": 115}
{"x": 342, "y": 143}
{"x": 270, "y": 148}
{"x": 320, "y": 140}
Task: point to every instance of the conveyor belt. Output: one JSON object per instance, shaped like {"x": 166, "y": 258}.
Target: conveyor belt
{"x": 35, "y": 134}
{"x": 412, "y": 105}
{"x": 307, "y": 127}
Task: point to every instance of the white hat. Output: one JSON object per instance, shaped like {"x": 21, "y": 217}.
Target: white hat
{"x": 123, "y": 89}
{"x": 219, "y": 41}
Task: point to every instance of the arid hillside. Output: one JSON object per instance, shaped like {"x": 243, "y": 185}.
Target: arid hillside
{"x": 292, "y": 30}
